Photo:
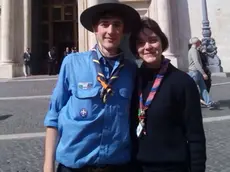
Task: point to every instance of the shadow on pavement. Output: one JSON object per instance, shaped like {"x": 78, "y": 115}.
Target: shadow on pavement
{"x": 224, "y": 103}
{"x": 4, "y": 117}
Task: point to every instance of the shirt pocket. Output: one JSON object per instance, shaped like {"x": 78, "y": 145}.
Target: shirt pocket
{"x": 86, "y": 103}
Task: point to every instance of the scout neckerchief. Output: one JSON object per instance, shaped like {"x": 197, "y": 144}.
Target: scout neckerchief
{"x": 106, "y": 84}
{"x": 144, "y": 106}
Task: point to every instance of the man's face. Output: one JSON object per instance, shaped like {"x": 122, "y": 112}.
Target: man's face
{"x": 109, "y": 32}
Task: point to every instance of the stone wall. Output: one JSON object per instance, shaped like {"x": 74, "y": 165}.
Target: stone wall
{"x": 182, "y": 25}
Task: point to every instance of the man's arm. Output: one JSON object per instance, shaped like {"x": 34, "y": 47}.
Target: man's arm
{"x": 59, "y": 99}
{"x": 194, "y": 128}
{"x": 50, "y": 146}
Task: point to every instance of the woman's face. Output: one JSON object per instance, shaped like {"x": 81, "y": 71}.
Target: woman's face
{"x": 149, "y": 47}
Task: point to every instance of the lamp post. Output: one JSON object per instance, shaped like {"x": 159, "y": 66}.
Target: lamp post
{"x": 209, "y": 43}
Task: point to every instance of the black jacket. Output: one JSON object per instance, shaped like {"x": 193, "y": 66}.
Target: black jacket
{"x": 175, "y": 134}
{"x": 27, "y": 58}
{"x": 52, "y": 56}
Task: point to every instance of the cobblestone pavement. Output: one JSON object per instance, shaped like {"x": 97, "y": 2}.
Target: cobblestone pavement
{"x": 21, "y": 155}
{"x": 26, "y": 116}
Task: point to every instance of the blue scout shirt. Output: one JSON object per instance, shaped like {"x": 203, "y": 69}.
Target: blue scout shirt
{"x": 90, "y": 132}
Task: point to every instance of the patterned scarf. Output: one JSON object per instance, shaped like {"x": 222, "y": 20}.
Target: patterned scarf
{"x": 106, "y": 84}
{"x": 144, "y": 106}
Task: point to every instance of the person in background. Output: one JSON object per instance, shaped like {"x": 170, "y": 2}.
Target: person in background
{"x": 88, "y": 121}
{"x": 52, "y": 60}
{"x": 170, "y": 134}
{"x": 204, "y": 66}
{"x": 197, "y": 73}
{"x": 27, "y": 62}
{"x": 204, "y": 61}
{"x": 74, "y": 50}
{"x": 66, "y": 52}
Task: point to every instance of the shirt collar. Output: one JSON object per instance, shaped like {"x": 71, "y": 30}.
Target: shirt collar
{"x": 100, "y": 56}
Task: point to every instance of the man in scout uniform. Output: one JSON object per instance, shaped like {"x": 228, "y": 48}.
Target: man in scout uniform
{"x": 88, "y": 118}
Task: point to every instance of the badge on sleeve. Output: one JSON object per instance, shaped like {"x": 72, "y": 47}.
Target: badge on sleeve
{"x": 83, "y": 112}
{"x": 85, "y": 85}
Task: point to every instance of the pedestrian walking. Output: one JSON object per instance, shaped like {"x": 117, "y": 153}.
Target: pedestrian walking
{"x": 88, "y": 122}
{"x": 169, "y": 128}
{"x": 197, "y": 73}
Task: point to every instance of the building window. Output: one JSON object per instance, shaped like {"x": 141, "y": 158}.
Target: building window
{"x": 68, "y": 12}
{"x": 45, "y": 14}
{"x": 56, "y": 11}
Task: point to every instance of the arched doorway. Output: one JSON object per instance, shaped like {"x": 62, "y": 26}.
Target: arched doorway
{"x": 54, "y": 24}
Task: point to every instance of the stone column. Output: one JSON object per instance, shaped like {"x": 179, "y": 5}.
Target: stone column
{"x": 8, "y": 68}
{"x": 27, "y": 23}
{"x": 165, "y": 22}
{"x": 7, "y": 31}
{"x": 91, "y": 37}
{"x": 82, "y": 32}
{"x": 152, "y": 11}
{"x": 86, "y": 39}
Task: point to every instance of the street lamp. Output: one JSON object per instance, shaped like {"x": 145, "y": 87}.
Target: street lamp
{"x": 209, "y": 43}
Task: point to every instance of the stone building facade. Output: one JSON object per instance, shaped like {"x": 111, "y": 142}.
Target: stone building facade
{"x": 41, "y": 24}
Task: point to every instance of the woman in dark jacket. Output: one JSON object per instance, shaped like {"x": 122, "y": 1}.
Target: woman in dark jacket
{"x": 169, "y": 131}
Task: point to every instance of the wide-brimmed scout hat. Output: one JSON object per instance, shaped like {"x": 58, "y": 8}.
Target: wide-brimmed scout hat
{"x": 130, "y": 16}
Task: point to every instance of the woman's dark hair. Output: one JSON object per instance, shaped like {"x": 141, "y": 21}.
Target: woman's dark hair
{"x": 148, "y": 23}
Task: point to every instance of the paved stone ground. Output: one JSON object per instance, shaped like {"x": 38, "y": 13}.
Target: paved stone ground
{"x": 218, "y": 146}
{"x": 26, "y": 116}
{"x": 21, "y": 155}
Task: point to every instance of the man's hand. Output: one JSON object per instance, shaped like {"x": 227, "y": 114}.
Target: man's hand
{"x": 205, "y": 77}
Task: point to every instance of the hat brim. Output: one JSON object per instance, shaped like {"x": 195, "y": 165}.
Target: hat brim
{"x": 130, "y": 16}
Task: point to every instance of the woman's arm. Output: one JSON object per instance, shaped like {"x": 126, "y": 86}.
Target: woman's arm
{"x": 194, "y": 128}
